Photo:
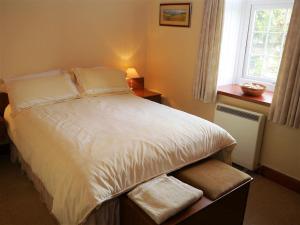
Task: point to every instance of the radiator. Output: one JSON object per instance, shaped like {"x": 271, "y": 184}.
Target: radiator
{"x": 247, "y": 128}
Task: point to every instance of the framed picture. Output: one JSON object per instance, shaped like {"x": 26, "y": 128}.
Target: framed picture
{"x": 175, "y": 14}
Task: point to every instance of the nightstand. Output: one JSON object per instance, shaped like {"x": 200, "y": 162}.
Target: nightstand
{"x": 4, "y": 139}
{"x": 150, "y": 95}
{"x": 138, "y": 88}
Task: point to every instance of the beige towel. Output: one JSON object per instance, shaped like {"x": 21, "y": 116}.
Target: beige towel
{"x": 164, "y": 196}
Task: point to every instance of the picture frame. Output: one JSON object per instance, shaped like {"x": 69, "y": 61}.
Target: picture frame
{"x": 175, "y": 14}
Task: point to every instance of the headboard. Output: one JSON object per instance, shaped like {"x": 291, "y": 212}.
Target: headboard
{"x": 3, "y": 102}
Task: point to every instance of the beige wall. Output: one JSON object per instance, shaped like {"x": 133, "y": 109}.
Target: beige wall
{"x": 172, "y": 54}
{"x": 37, "y": 35}
{"x": 1, "y": 37}
{"x": 171, "y": 60}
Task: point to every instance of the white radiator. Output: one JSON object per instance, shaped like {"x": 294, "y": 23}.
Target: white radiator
{"x": 247, "y": 128}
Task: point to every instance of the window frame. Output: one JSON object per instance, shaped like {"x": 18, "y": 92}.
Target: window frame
{"x": 244, "y": 48}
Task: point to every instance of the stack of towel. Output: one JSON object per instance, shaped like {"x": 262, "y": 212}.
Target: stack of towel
{"x": 164, "y": 196}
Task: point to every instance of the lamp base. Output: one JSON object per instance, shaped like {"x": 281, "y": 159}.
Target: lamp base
{"x": 136, "y": 83}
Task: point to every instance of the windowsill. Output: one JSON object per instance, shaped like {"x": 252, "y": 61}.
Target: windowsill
{"x": 234, "y": 91}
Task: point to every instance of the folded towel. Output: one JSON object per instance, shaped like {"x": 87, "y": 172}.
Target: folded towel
{"x": 164, "y": 196}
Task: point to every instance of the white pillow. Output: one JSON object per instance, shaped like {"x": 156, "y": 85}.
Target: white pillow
{"x": 38, "y": 90}
{"x": 5, "y": 80}
{"x": 101, "y": 80}
{"x": 34, "y": 75}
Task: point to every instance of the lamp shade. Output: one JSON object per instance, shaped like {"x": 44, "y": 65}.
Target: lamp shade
{"x": 132, "y": 73}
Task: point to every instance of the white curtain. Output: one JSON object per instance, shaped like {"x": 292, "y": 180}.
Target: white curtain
{"x": 206, "y": 77}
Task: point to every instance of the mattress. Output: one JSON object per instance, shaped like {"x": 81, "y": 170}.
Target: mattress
{"x": 89, "y": 150}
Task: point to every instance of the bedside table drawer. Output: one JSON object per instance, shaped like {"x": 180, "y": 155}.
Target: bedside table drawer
{"x": 150, "y": 95}
{"x": 156, "y": 98}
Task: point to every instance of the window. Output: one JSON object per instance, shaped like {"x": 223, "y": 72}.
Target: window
{"x": 265, "y": 37}
{"x": 254, "y": 34}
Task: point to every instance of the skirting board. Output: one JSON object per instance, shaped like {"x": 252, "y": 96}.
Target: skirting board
{"x": 280, "y": 178}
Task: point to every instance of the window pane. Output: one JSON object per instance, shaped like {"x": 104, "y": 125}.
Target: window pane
{"x": 256, "y": 66}
{"x": 262, "y": 18}
{"x": 274, "y": 44}
{"x": 278, "y": 20}
{"x": 259, "y": 42}
{"x": 288, "y": 18}
{"x": 265, "y": 43}
{"x": 271, "y": 67}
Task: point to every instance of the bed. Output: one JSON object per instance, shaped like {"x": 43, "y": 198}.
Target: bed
{"x": 82, "y": 153}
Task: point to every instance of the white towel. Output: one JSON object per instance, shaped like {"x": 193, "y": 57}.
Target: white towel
{"x": 164, "y": 196}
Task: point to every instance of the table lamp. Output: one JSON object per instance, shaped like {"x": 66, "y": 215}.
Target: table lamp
{"x": 131, "y": 74}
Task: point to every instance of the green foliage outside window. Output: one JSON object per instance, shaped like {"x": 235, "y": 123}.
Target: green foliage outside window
{"x": 268, "y": 36}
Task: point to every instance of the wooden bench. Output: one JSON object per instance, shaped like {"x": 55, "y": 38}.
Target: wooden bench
{"x": 225, "y": 196}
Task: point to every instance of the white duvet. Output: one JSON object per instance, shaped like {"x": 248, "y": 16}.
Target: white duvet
{"x": 89, "y": 150}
